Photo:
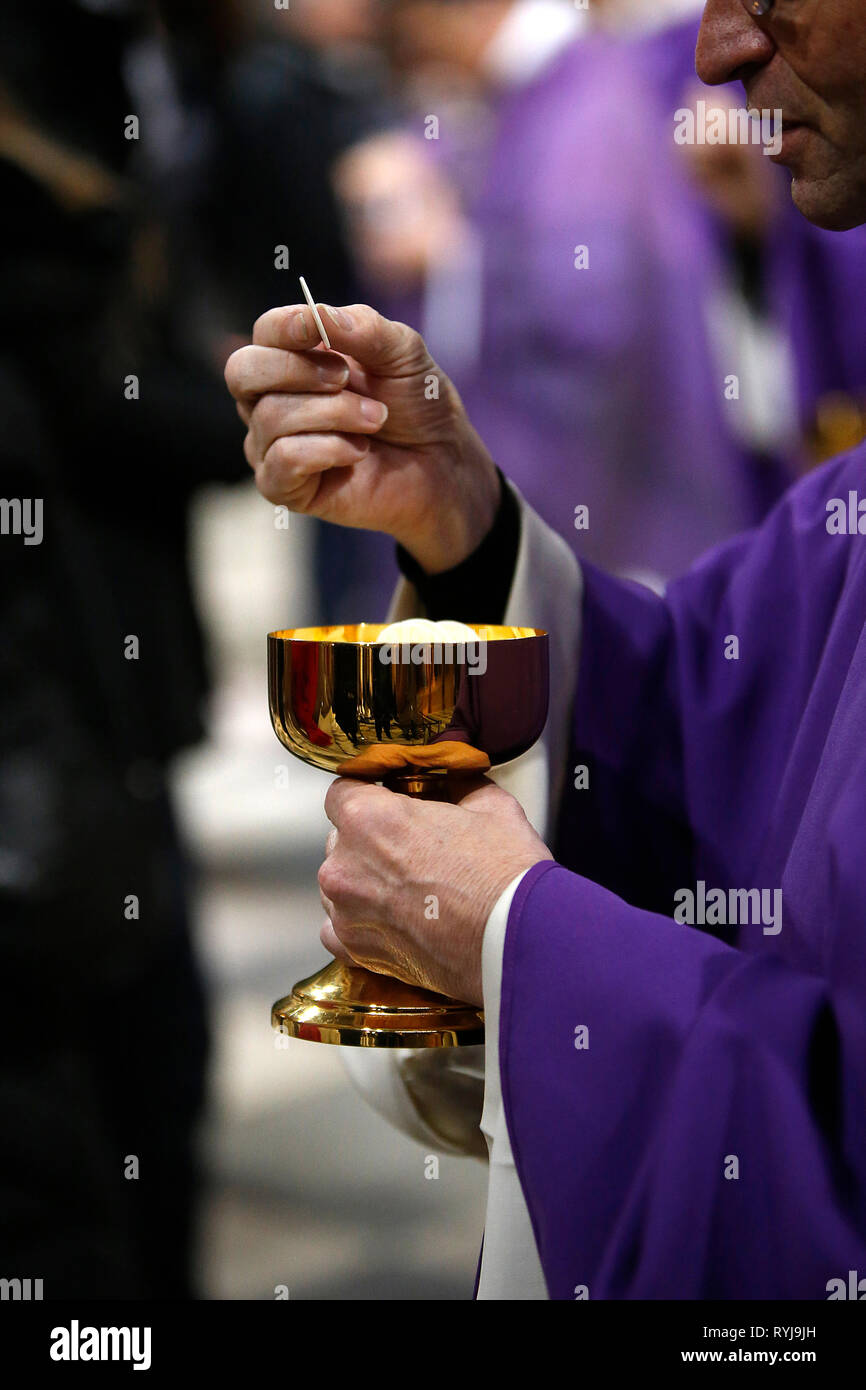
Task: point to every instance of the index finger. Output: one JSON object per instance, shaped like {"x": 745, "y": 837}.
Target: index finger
{"x": 259, "y": 371}
{"x": 379, "y": 345}
{"x": 291, "y": 326}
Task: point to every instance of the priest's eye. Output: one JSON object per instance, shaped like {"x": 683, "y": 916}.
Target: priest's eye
{"x": 764, "y": 9}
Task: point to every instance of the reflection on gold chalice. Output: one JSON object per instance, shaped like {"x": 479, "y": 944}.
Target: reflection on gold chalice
{"x": 411, "y": 715}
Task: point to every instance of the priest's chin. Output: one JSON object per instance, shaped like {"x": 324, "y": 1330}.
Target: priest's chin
{"x": 834, "y": 200}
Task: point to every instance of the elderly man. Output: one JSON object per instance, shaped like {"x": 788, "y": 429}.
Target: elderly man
{"x": 676, "y": 1063}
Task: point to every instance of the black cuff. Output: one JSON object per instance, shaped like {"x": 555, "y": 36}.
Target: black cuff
{"x": 476, "y": 590}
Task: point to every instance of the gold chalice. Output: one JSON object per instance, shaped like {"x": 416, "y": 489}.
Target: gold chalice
{"x": 411, "y": 715}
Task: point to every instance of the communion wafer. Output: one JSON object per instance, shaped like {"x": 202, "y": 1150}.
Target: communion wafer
{"x": 424, "y": 630}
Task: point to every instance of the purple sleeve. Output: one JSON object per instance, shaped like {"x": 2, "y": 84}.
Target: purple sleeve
{"x": 687, "y": 1145}
{"x": 709, "y": 1139}
{"x": 684, "y": 744}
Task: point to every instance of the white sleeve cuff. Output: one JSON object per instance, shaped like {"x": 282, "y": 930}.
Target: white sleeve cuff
{"x": 491, "y": 984}
{"x": 510, "y": 1266}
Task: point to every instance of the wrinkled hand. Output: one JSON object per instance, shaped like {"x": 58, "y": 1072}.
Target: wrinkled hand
{"x": 371, "y": 435}
{"x": 394, "y": 862}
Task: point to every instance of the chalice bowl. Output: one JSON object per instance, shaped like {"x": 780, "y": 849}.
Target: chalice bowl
{"x": 359, "y": 701}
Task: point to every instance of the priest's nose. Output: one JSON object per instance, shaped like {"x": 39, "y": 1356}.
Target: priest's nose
{"x": 730, "y": 42}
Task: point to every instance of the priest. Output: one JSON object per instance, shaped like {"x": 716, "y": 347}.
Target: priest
{"x": 674, "y": 1095}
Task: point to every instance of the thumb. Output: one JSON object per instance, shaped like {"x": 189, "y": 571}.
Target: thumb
{"x": 382, "y": 345}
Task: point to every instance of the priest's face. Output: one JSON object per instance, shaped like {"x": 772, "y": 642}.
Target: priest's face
{"x": 806, "y": 58}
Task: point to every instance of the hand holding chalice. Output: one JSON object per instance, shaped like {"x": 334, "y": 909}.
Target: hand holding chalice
{"x": 410, "y": 705}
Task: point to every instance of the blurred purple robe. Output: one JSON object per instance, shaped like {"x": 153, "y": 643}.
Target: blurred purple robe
{"x": 705, "y": 1045}
{"x": 600, "y": 387}
{"x": 596, "y": 386}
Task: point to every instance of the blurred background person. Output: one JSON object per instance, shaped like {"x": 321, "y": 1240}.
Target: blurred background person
{"x": 131, "y": 266}
{"x": 305, "y": 83}
{"x": 103, "y": 677}
{"x": 653, "y": 327}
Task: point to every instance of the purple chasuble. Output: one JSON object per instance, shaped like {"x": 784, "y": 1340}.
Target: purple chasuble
{"x": 705, "y": 1137}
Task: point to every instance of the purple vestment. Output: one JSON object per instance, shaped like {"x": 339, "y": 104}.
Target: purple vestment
{"x": 706, "y": 1137}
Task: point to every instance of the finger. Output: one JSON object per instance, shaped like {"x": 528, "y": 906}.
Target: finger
{"x": 381, "y": 345}
{"x": 480, "y": 794}
{"x": 332, "y": 943}
{"x": 277, "y": 415}
{"x": 250, "y": 451}
{"x": 252, "y": 371}
{"x": 290, "y": 463}
{"x": 291, "y": 326}
{"x": 348, "y": 800}
{"x": 331, "y": 842}
{"x": 460, "y": 786}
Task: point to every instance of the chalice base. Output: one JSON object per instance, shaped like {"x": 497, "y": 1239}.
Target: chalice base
{"x": 353, "y": 1007}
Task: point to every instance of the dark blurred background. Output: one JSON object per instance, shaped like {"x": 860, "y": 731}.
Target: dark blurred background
{"x": 641, "y": 329}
